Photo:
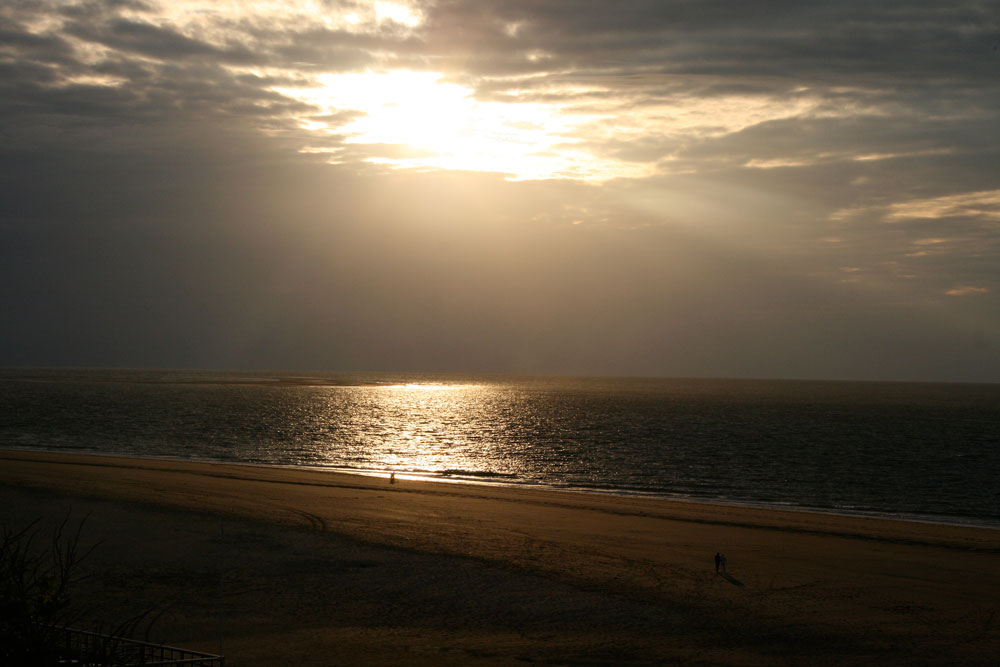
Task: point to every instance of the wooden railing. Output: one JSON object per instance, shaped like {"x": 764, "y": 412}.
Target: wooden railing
{"x": 101, "y": 649}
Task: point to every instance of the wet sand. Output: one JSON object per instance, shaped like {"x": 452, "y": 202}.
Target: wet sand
{"x": 291, "y": 566}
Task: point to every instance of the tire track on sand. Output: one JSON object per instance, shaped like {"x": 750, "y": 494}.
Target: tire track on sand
{"x": 315, "y": 521}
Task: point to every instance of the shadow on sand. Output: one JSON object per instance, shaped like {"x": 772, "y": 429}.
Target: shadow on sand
{"x": 731, "y": 579}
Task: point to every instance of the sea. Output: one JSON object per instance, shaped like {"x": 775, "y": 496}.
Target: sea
{"x": 927, "y": 452}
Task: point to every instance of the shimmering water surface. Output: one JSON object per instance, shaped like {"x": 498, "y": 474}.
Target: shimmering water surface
{"x": 926, "y": 450}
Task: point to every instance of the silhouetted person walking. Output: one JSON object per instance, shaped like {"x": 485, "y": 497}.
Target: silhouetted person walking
{"x": 718, "y": 561}
{"x": 722, "y": 562}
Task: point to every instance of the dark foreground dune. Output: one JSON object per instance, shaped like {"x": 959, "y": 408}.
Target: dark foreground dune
{"x": 305, "y": 567}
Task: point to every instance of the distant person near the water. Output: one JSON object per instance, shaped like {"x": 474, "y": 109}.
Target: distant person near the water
{"x": 392, "y": 478}
{"x": 718, "y": 561}
{"x": 722, "y": 562}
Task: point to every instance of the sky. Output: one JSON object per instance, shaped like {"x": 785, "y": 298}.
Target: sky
{"x": 655, "y": 188}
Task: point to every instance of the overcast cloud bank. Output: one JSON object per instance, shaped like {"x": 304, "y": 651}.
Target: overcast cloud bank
{"x": 680, "y": 188}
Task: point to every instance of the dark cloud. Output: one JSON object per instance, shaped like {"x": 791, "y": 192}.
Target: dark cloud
{"x": 901, "y": 44}
{"x": 149, "y": 40}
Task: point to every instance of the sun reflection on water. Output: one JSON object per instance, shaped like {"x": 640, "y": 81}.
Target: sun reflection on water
{"x": 418, "y": 386}
{"x": 421, "y": 428}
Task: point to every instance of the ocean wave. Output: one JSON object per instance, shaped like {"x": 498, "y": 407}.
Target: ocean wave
{"x": 458, "y": 472}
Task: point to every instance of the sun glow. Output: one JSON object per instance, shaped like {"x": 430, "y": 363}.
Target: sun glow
{"x": 396, "y": 12}
{"x": 417, "y": 120}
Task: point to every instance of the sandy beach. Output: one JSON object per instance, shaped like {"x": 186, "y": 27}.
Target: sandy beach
{"x": 289, "y": 566}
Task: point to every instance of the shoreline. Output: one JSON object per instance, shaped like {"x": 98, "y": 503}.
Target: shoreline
{"x": 441, "y": 478}
{"x": 827, "y": 588}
